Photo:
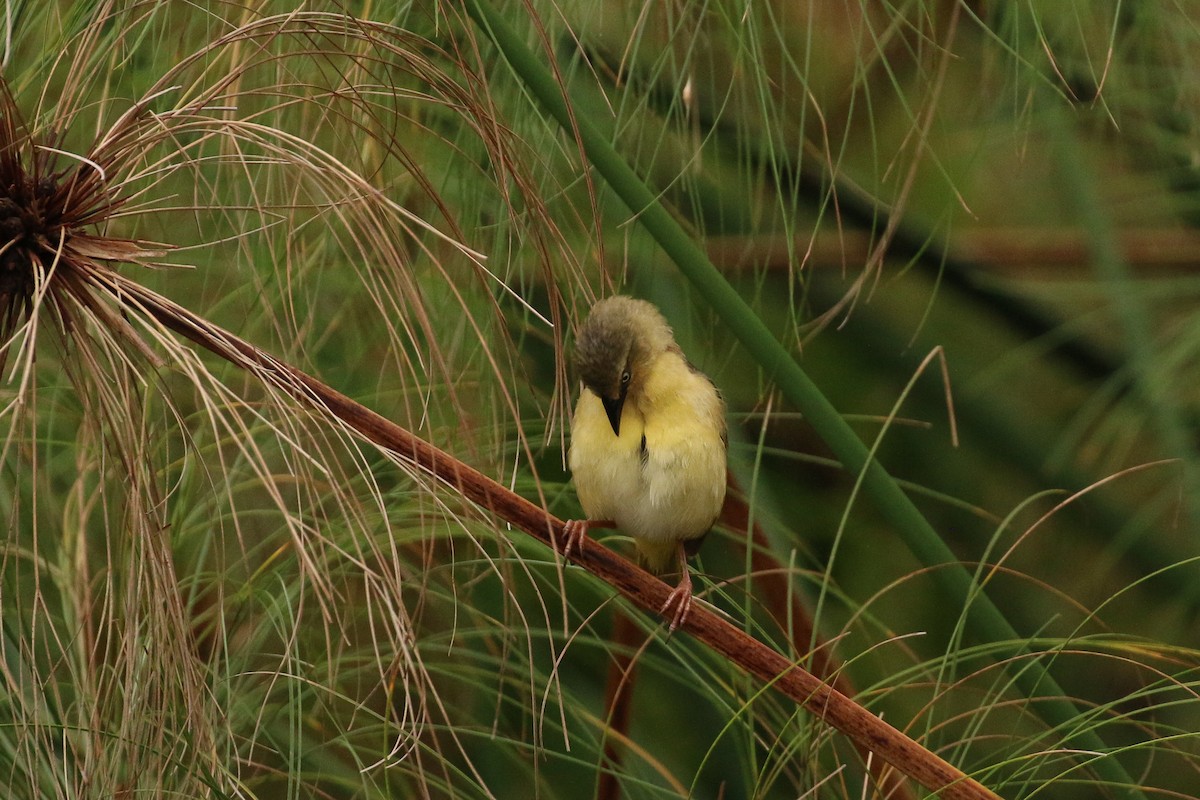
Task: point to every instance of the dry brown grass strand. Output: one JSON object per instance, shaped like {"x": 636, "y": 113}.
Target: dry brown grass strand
{"x": 786, "y": 606}
{"x": 636, "y": 585}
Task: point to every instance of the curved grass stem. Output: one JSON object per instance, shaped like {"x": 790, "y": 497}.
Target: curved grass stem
{"x": 635, "y": 584}
{"x": 985, "y": 621}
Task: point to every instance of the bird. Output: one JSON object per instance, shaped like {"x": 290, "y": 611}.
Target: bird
{"x": 648, "y": 441}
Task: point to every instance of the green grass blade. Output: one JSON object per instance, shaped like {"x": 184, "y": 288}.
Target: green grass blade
{"x": 986, "y": 621}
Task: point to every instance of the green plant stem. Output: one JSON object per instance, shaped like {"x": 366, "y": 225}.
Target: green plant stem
{"x": 1113, "y": 273}
{"x": 638, "y": 586}
{"x": 985, "y": 620}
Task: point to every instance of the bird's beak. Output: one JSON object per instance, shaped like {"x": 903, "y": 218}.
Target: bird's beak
{"x": 612, "y": 407}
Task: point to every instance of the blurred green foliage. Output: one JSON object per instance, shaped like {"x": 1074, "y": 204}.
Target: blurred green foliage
{"x": 264, "y": 607}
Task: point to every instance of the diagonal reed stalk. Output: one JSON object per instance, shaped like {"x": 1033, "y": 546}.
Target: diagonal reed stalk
{"x": 985, "y": 621}
{"x": 636, "y": 585}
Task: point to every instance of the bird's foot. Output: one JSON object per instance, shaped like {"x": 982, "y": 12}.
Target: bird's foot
{"x": 680, "y": 600}
{"x": 576, "y": 530}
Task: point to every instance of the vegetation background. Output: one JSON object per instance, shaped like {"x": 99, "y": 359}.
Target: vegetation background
{"x": 972, "y": 224}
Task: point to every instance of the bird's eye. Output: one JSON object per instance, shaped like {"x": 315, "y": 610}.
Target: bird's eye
{"x": 625, "y": 377}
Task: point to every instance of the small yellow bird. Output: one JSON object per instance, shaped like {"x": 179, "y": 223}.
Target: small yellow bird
{"x": 648, "y": 441}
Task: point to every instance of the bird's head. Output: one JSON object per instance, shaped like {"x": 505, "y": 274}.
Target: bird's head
{"x": 615, "y": 347}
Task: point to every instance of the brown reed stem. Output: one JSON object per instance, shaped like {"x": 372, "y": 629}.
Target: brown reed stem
{"x": 637, "y": 586}
{"x": 786, "y": 605}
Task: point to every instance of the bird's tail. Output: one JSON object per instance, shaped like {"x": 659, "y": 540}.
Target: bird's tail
{"x": 658, "y": 557}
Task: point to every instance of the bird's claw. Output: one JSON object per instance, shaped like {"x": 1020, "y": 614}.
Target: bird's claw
{"x": 680, "y": 599}
{"x": 574, "y": 532}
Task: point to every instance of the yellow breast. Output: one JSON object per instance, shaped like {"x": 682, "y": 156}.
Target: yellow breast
{"x": 670, "y": 488}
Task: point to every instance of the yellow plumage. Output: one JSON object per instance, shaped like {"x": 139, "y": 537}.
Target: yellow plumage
{"x": 648, "y": 445}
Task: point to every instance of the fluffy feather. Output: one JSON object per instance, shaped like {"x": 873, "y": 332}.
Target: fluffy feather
{"x": 660, "y": 476}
